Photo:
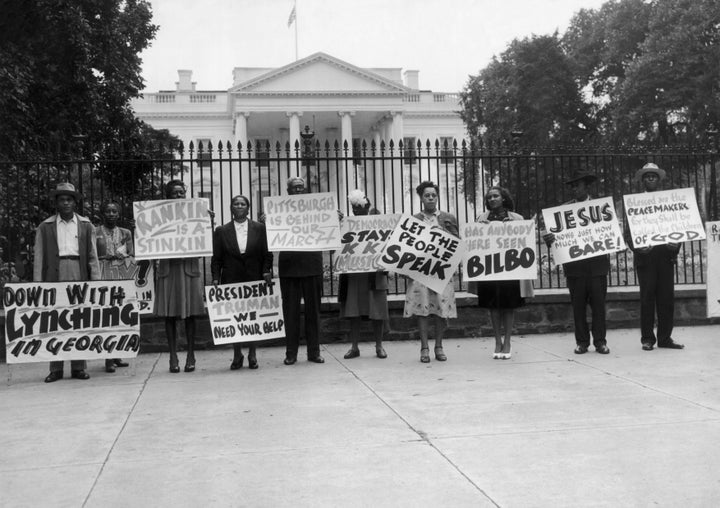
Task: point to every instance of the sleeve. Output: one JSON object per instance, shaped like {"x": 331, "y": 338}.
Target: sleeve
{"x": 93, "y": 263}
{"x": 39, "y": 255}
{"x": 217, "y": 256}
{"x": 267, "y": 255}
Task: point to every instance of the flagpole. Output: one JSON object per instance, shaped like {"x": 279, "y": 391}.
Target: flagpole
{"x": 296, "y": 36}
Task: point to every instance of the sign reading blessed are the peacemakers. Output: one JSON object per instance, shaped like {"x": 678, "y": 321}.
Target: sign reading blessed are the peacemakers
{"x": 583, "y": 230}
{"x": 500, "y": 250}
{"x": 362, "y": 238}
{"x": 245, "y": 311}
{"x": 661, "y": 217}
{"x": 172, "y": 228}
{"x": 48, "y": 321}
{"x": 302, "y": 222}
{"x": 713, "y": 270}
{"x": 425, "y": 253}
{"x": 139, "y": 271}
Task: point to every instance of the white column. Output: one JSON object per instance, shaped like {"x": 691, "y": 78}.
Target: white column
{"x": 346, "y": 180}
{"x": 293, "y": 137}
{"x": 235, "y": 177}
{"x": 376, "y": 188}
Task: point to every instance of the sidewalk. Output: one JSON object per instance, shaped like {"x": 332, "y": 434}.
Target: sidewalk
{"x": 546, "y": 428}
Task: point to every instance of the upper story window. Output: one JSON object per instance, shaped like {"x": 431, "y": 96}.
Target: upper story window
{"x": 262, "y": 152}
{"x": 409, "y": 150}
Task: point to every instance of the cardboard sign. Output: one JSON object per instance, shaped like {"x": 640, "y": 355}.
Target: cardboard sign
{"x": 302, "y": 222}
{"x": 713, "y": 270}
{"x": 425, "y": 253}
{"x": 583, "y": 230}
{"x": 500, "y": 250}
{"x": 245, "y": 311}
{"x": 656, "y": 218}
{"x": 93, "y": 320}
{"x": 140, "y": 271}
{"x": 363, "y": 238}
{"x": 172, "y": 228}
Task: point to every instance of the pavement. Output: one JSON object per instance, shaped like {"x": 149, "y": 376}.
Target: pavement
{"x": 545, "y": 428}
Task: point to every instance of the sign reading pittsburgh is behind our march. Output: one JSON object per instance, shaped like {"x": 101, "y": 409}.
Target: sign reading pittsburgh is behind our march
{"x": 71, "y": 321}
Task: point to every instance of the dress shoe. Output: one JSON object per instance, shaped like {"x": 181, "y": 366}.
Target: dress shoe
{"x": 79, "y": 374}
{"x": 647, "y": 346}
{"x": 603, "y": 349}
{"x": 252, "y": 362}
{"x": 190, "y": 365}
{"x": 174, "y": 366}
{"x": 580, "y": 350}
{"x": 424, "y": 355}
{"x": 316, "y": 359}
{"x": 290, "y": 360}
{"x": 353, "y": 352}
{"x": 237, "y": 363}
{"x": 119, "y": 363}
{"x": 110, "y": 368}
{"x": 54, "y": 376}
{"x": 440, "y": 354}
{"x": 380, "y": 352}
{"x": 671, "y": 344}
{"x": 505, "y": 356}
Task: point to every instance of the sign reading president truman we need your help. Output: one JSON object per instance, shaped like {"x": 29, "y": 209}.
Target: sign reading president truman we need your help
{"x": 661, "y": 217}
{"x": 172, "y": 228}
{"x": 302, "y": 222}
{"x": 425, "y": 253}
{"x": 71, "y": 321}
{"x": 363, "y": 237}
{"x": 500, "y": 250}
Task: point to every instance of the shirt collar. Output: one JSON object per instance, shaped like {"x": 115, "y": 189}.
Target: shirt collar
{"x": 72, "y": 220}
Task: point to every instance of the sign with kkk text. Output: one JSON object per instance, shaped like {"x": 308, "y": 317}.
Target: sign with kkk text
{"x": 500, "y": 250}
{"x": 245, "y": 311}
{"x": 139, "y": 271}
{"x": 302, "y": 222}
{"x": 713, "y": 269}
{"x": 172, "y": 228}
{"x": 661, "y": 217}
{"x": 71, "y": 321}
{"x": 583, "y": 230}
{"x": 362, "y": 238}
{"x": 425, "y": 253}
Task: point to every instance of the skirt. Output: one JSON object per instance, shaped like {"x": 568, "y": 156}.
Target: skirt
{"x": 423, "y": 301}
{"x": 503, "y": 294}
{"x": 179, "y": 291}
{"x": 361, "y": 301}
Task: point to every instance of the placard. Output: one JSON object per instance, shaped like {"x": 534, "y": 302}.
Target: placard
{"x": 91, "y": 320}
{"x": 140, "y": 271}
{"x": 362, "y": 238}
{"x": 172, "y": 228}
{"x": 583, "y": 230}
{"x": 425, "y": 253}
{"x": 661, "y": 217}
{"x": 245, "y": 312}
{"x": 713, "y": 268}
{"x": 500, "y": 250}
{"x": 302, "y": 222}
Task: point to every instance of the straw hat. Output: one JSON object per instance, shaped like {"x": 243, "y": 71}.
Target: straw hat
{"x": 650, "y": 168}
{"x": 65, "y": 189}
{"x": 578, "y": 176}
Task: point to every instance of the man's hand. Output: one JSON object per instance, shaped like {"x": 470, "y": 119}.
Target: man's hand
{"x": 268, "y": 277}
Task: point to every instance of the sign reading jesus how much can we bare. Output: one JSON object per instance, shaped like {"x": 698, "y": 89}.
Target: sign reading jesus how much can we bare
{"x": 425, "y": 253}
{"x": 71, "y": 321}
{"x": 302, "y": 222}
{"x": 172, "y": 228}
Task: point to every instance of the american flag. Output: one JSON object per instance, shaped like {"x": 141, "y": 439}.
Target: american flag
{"x": 291, "y": 19}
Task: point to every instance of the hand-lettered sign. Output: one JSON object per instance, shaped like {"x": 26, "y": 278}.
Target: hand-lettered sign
{"x": 363, "y": 237}
{"x": 713, "y": 270}
{"x": 500, "y": 250}
{"x": 302, "y": 222}
{"x": 139, "y": 271}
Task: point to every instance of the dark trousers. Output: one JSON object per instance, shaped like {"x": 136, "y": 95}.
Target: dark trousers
{"x": 592, "y": 291}
{"x": 657, "y": 293}
{"x": 293, "y": 290}
{"x": 74, "y": 365}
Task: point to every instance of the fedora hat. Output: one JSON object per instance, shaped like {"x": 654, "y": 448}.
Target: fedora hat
{"x": 65, "y": 189}
{"x": 578, "y": 176}
{"x": 650, "y": 168}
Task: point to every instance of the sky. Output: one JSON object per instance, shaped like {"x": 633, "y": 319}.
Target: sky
{"x": 446, "y": 40}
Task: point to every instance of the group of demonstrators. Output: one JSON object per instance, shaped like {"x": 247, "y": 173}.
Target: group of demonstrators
{"x": 84, "y": 269}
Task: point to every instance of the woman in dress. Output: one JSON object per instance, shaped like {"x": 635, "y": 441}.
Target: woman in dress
{"x": 240, "y": 254}
{"x": 501, "y": 298}
{"x": 179, "y": 294}
{"x": 422, "y": 301}
{"x": 364, "y": 295}
{"x": 115, "y": 252}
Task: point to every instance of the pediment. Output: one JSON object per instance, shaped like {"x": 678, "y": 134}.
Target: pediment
{"x": 319, "y": 74}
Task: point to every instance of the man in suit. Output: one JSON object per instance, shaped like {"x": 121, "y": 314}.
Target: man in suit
{"x": 586, "y": 280}
{"x": 65, "y": 250}
{"x": 655, "y": 268}
{"x": 240, "y": 254}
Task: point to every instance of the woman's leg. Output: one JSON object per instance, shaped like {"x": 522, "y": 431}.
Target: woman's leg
{"x": 378, "y": 327}
{"x": 171, "y": 334}
{"x": 354, "y": 351}
{"x": 252, "y": 356}
{"x": 495, "y": 317}
{"x": 508, "y": 319}
{"x": 190, "y": 336}
{"x": 440, "y": 326}
{"x": 423, "y": 329}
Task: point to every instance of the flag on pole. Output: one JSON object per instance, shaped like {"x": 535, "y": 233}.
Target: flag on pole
{"x": 291, "y": 19}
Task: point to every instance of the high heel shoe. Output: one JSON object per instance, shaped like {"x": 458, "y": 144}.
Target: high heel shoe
{"x": 252, "y": 362}
{"x": 425, "y": 355}
{"x": 174, "y": 366}
{"x": 440, "y": 354}
{"x": 190, "y": 365}
{"x": 237, "y": 363}
{"x": 380, "y": 352}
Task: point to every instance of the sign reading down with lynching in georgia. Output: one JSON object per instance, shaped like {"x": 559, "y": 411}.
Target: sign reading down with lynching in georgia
{"x": 302, "y": 222}
{"x": 363, "y": 237}
{"x": 500, "y": 250}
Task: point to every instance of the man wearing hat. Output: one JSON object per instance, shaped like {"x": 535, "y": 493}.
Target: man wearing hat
{"x": 655, "y": 269}
{"x": 586, "y": 280}
{"x": 65, "y": 250}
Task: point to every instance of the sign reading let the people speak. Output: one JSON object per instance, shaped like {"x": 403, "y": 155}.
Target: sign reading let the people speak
{"x": 71, "y": 321}
{"x": 500, "y": 250}
{"x": 172, "y": 228}
{"x": 425, "y": 253}
{"x": 583, "y": 230}
{"x": 661, "y": 217}
{"x": 245, "y": 311}
{"x": 302, "y": 222}
{"x": 713, "y": 269}
{"x": 362, "y": 238}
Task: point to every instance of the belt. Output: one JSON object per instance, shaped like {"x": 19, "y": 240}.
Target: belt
{"x": 72, "y": 258}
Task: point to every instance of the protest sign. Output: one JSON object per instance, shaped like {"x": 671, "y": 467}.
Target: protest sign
{"x": 425, "y": 253}
{"x": 500, "y": 250}
{"x": 583, "y": 230}
{"x": 245, "y": 311}
{"x": 656, "y": 218}
{"x": 172, "y": 228}
{"x": 47, "y": 321}
{"x": 362, "y": 238}
{"x": 713, "y": 270}
{"x": 302, "y": 222}
{"x": 139, "y": 271}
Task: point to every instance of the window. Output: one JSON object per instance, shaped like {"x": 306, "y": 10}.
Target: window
{"x": 409, "y": 150}
{"x": 357, "y": 151}
{"x": 262, "y": 152}
{"x": 204, "y": 155}
{"x": 447, "y": 155}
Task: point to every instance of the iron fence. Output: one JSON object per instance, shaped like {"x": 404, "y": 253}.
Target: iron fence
{"x": 388, "y": 173}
